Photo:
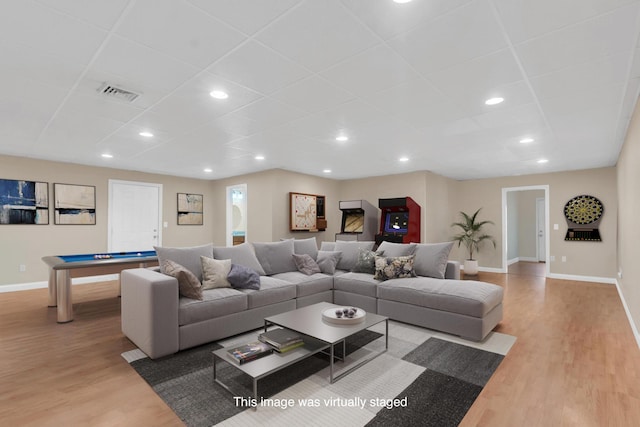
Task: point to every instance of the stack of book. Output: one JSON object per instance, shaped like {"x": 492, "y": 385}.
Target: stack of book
{"x": 248, "y": 352}
{"x": 282, "y": 340}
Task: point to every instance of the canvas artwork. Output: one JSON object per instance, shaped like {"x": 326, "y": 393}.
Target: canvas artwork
{"x": 190, "y": 210}
{"x": 24, "y": 202}
{"x": 74, "y": 204}
{"x": 302, "y": 214}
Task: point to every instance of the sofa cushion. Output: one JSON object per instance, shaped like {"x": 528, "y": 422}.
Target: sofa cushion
{"x": 242, "y": 254}
{"x": 466, "y": 297}
{"x": 215, "y": 272}
{"x": 394, "y": 267}
{"x": 275, "y": 257}
{"x": 366, "y": 262}
{"x": 397, "y": 249}
{"x": 307, "y": 285}
{"x": 305, "y": 246}
{"x": 241, "y": 277}
{"x": 431, "y": 259}
{"x": 328, "y": 260}
{"x": 188, "y": 284}
{"x": 188, "y": 257}
{"x": 356, "y": 283}
{"x": 272, "y": 290}
{"x": 328, "y": 246}
{"x": 350, "y": 250}
{"x": 216, "y": 303}
{"x": 305, "y": 264}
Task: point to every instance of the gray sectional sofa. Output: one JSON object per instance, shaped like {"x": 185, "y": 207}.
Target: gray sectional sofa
{"x": 160, "y": 320}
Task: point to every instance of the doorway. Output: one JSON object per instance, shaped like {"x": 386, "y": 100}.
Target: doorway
{"x": 525, "y": 221}
{"x": 135, "y": 216}
{"x": 236, "y": 214}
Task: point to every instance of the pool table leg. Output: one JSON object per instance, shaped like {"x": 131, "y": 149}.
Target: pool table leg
{"x": 65, "y": 303}
{"x": 53, "y": 288}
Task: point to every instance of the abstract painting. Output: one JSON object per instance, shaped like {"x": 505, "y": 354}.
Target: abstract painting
{"x": 74, "y": 204}
{"x": 190, "y": 209}
{"x": 24, "y": 202}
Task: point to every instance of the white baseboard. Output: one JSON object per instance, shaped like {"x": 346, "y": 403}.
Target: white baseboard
{"x": 513, "y": 260}
{"x": 486, "y": 269}
{"x": 40, "y": 285}
{"x": 578, "y": 278}
{"x": 634, "y": 329}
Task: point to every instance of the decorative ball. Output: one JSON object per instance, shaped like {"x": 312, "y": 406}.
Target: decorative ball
{"x": 338, "y": 314}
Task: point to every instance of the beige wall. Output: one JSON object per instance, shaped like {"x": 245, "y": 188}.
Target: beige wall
{"x": 27, "y": 244}
{"x": 594, "y": 259}
{"x": 628, "y": 230}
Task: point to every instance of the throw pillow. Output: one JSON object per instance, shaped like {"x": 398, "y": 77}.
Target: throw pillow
{"x": 431, "y": 259}
{"x": 242, "y": 254}
{"x": 306, "y": 264}
{"x": 366, "y": 262}
{"x": 305, "y": 246}
{"x": 397, "y": 249}
{"x": 275, "y": 257}
{"x": 188, "y": 257}
{"x": 215, "y": 272}
{"x": 394, "y": 267}
{"x": 350, "y": 251}
{"x": 188, "y": 284}
{"x": 328, "y": 260}
{"x": 242, "y": 277}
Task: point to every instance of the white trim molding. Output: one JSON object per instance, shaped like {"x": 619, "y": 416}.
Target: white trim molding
{"x": 578, "y": 278}
{"x": 41, "y": 285}
{"x": 634, "y": 329}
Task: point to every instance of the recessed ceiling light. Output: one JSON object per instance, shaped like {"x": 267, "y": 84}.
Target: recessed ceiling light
{"x": 219, "y": 94}
{"x": 403, "y": 159}
{"x": 526, "y": 140}
{"x": 543, "y": 160}
{"x": 107, "y": 156}
{"x": 259, "y": 157}
{"x": 146, "y": 134}
{"x": 494, "y": 101}
{"x": 342, "y": 138}
{"x": 327, "y": 171}
{"x": 208, "y": 170}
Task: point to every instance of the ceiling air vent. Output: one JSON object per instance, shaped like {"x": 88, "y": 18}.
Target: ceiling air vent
{"x": 118, "y": 93}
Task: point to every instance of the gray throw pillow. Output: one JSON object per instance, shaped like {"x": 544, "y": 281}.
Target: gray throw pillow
{"x": 188, "y": 257}
{"x": 275, "y": 257}
{"x": 214, "y": 273}
{"x": 306, "y": 264}
{"x": 366, "y": 262}
{"x": 328, "y": 260}
{"x": 188, "y": 284}
{"x": 242, "y": 277}
{"x": 397, "y": 249}
{"x": 431, "y": 259}
{"x": 240, "y": 254}
{"x": 350, "y": 252}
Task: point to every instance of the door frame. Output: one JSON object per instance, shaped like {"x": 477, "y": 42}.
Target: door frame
{"x": 113, "y": 182}
{"x": 505, "y": 231}
{"x": 546, "y": 231}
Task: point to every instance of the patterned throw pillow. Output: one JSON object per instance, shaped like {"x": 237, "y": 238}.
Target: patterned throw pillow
{"x": 394, "y": 267}
{"x": 306, "y": 264}
{"x": 188, "y": 284}
{"x": 366, "y": 262}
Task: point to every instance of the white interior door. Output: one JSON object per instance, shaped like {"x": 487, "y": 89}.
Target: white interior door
{"x": 135, "y": 216}
{"x": 541, "y": 229}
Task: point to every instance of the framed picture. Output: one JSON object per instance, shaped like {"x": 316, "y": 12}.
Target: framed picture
{"x": 303, "y": 216}
{"x": 190, "y": 209}
{"x": 74, "y": 204}
{"x": 24, "y": 202}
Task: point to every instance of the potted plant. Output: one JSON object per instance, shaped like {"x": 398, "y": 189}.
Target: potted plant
{"x": 473, "y": 237}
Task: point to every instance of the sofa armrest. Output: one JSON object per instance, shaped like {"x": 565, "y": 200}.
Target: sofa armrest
{"x": 150, "y": 311}
{"x": 453, "y": 270}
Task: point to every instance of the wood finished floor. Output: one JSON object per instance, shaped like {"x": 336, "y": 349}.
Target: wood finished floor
{"x": 575, "y": 362}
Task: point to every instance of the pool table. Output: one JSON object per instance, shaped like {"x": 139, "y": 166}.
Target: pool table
{"x": 63, "y": 267}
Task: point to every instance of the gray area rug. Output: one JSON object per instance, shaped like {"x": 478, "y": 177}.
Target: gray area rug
{"x": 435, "y": 381}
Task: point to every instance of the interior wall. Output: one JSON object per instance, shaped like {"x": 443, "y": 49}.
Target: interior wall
{"x": 592, "y": 259}
{"x": 628, "y": 231}
{"x": 27, "y": 244}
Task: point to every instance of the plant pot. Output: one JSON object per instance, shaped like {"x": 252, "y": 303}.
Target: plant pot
{"x": 470, "y": 267}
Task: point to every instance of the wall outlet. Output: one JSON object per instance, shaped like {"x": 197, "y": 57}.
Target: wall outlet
{"x": 564, "y": 258}
{"x": 165, "y": 224}
{"x": 553, "y": 258}
{"x": 22, "y": 268}
{"x": 620, "y": 274}
{"x": 556, "y": 227}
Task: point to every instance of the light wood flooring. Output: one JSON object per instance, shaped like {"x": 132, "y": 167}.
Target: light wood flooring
{"x": 575, "y": 361}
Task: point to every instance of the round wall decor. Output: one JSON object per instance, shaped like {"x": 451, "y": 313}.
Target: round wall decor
{"x": 583, "y": 214}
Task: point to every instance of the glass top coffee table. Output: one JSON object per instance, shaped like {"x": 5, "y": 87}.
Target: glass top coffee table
{"x": 319, "y": 336}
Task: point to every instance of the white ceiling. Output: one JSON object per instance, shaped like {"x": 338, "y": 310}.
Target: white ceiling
{"x": 397, "y": 79}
